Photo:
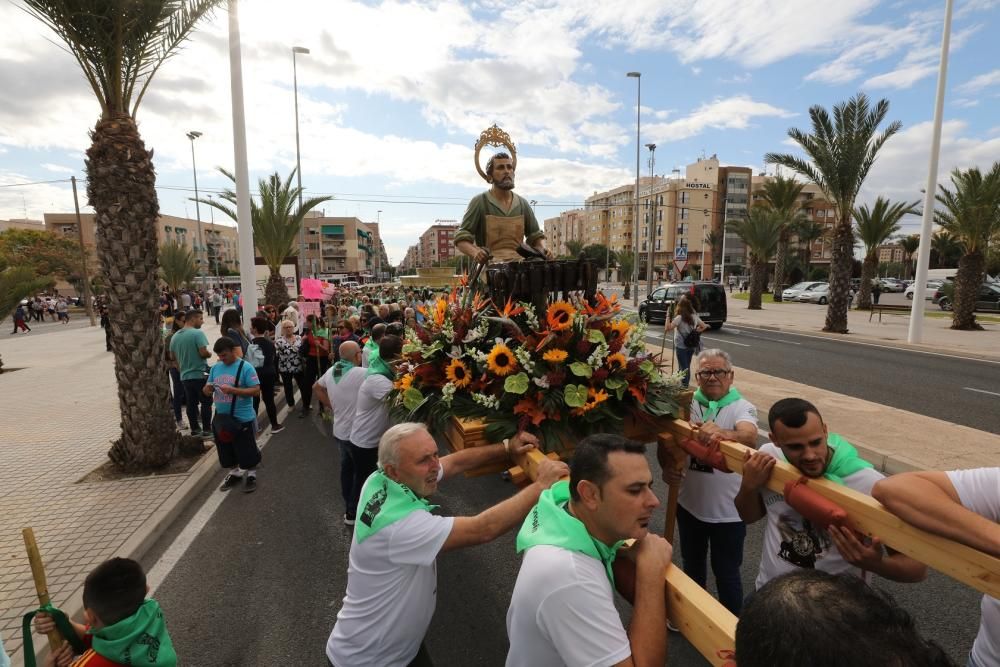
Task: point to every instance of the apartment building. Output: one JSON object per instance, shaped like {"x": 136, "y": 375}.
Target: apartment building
{"x": 437, "y": 243}
{"x": 341, "y": 247}
{"x": 411, "y": 260}
{"x": 816, "y": 208}
{"x": 567, "y": 227}
{"x": 891, "y": 253}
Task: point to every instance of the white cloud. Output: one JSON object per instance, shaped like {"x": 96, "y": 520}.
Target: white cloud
{"x": 57, "y": 168}
{"x": 31, "y": 201}
{"x": 981, "y": 82}
{"x": 903, "y": 77}
{"x": 730, "y": 113}
{"x": 965, "y": 103}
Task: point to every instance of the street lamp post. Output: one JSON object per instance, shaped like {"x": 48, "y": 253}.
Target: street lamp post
{"x": 704, "y": 229}
{"x": 378, "y": 250}
{"x": 298, "y": 157}
{"x": 725, "y": 221}
{"x": 635, "y": 216}
{"x": 652, "y": 220}
{"x": 192, "y": 135}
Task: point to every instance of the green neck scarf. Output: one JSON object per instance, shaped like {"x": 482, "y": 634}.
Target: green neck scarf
{"x": 845, "y": 460}
{"x": 384, "y": 502}
{"x": 340, "y": 370}
{"x": 140, "y": 639}
{"x": 713, "y": 407}
{"x": 550, "y": 523}
{"x": 371, "y": 344}
{"x": 378, "y": 366}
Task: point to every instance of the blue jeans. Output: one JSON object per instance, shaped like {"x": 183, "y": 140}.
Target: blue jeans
{"x": 178, "y": 392}
{"x": 684, "y": 357}
{"x": 726, "y": 541}
{"x": 347, "y": 490}
{"x": 196, "y": 399}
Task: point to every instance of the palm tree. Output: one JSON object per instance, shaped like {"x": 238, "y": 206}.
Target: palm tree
{"x": 760, "y": 231}
{"x": 276, "y": 222}
{"x": 910, "y": 245}
{"x": 781, "y": 195}
{"x": 807, "y": 232}
{"x": 841, "y": 152}
{"x": 574, "y": 247}
{"x": 120, "y": 46}
{"x": 177, "y": 265}
{"x": 714, "y": 241}
{"x": 626, "y": 262}
{"x": 945, "y": 250}
{"x": 875, "y": 226}
{"x": 971, "y": 213}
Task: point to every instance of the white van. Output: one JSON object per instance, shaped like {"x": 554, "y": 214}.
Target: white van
{"x": 941, "y": 274}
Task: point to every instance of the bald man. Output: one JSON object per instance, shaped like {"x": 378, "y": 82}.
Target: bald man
{"x": 338, "y": 391}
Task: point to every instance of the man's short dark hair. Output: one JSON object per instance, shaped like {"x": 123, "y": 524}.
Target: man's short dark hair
{"x": 590, "y": 459}
{"x": 394, "y": 329}
{"x": 811, "y": 617}
{"x": 193, "y": 311}
{"x": 792, "y": 412}
{"x": 114, "y": 590}
{"x": 496, "y": 156}
{"x": 390, "y": 347}
{"x": 378, "y": 331}
{"x": 223, "y": 344}
{"x": 181, "y": 314}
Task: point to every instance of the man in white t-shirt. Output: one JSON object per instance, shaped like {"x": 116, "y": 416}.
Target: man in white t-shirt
{"x": 790, "y": 541}
{"x": 392, "y": 571}
{"x": 291, "y": 313}
{"x": 338, "y": 391}
{"x": 706, "y": 515}
{"x": 562, "y": 611}
{"x": 962, "y": 505}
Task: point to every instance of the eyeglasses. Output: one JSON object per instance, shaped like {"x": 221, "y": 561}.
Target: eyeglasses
{"x": 712, "y": 373}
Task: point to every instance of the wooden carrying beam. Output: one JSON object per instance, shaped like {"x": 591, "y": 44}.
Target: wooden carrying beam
{"x": 702, "y": 619}
{"x": 866, "y": 515}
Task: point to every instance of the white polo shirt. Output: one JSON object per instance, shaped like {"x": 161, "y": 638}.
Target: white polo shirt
{"x": 791, "y": 542}
{"x": 707, "y": 493}
{"x": 344, "y": 398}
{"x": 371, "y": 415}
{"x": 563, "y": 612}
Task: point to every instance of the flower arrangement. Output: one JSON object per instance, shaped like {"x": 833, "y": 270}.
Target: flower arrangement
{"x": 575, "y": 369}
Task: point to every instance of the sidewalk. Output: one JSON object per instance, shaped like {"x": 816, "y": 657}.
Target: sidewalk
{"x": 60, "y": 413}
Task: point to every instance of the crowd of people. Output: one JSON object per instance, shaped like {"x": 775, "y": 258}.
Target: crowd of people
{"x": 36, "y": 309}
{"x": 812, "y": 588}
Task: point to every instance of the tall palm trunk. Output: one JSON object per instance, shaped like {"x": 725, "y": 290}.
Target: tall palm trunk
{"x": 971, "y": 271}
{"x": 840, "y": 275}
{"x": 868, "y": 270}
{"x": 758, "y": 281}
{"x": 779, "y": 264}
{"x": 275, "y": 292}
{"x": 120, "y": 187}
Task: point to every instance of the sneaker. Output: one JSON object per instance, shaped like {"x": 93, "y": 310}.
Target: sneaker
{"x": 304, "y": 413}
{"x": 277, "y": 429}
{"x": 230, "y": 481}
{"x": 206, "y": 435}
{"x": 348, "y": 520}
{"x": 251, "y": 484}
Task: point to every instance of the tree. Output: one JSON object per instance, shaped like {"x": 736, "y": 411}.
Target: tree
{"x": 971, "y": 213}
{"x": 45, "y": 253}
{"x": 626, "y": 262}
{"x": 781, "y": 195}
{"x": 574, "y": 247}
{"x": 806, "y": 233}
{"x": 910, "y": 245}
{"x": 177, "y": 265}
{"x": 760, "y": 231}
{"x": 945, "y": 250}
{"x": 17, "y": 282}
{"x": 714, "y": 241}
{"x": 597, "y": 253}
{"x": 276, "y": 222}
{"x": 120, "y": 46}
{"x": 841, "y": 152}
{"x": 874, "y": 227}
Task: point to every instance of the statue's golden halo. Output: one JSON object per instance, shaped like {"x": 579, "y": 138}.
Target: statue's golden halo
{"x": 494, "y": 136}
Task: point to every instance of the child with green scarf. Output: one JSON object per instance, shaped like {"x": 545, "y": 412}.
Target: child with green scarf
{"x": 123, "y": 627}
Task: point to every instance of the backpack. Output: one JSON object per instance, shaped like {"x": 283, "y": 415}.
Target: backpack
{"x": 255, "y": 355}
{"x": 692, "y": 339}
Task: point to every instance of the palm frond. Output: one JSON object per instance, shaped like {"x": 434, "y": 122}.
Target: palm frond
{"x": 177, "y": 265}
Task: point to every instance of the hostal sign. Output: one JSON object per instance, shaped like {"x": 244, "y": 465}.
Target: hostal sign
{"x": 698, "y": 186}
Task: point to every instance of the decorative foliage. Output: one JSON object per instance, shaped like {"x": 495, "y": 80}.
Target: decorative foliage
{"x": 575, "y": 369}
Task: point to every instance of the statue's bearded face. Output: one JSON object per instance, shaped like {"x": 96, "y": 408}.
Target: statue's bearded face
{"x": 502, "y": 174}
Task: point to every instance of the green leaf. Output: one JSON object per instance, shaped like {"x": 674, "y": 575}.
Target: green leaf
{"x": 596, "y": 336}
{"x": 516, "y": 384}
{"x": 575, "y": 395}
{"x": 412, "y": 398}
{"x": 580, "y": 369}
{"x": 648, "y": 368}
{"x": 615, "y": 383}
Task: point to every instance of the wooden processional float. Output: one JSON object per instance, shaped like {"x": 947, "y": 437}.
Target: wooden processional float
{"x": 702, "y": 619}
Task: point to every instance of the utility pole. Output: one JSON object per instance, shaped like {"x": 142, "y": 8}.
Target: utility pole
{"x": 652, "y": 220}
{"x": 635, "y": 216}
{"x": 298, "y": 160}
{"x": 725, "y": 221}
{"x": 192, "y": 135}
{"x": 83, "y": 257}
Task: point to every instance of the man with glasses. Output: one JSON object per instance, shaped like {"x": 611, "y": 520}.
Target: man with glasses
{"x": 706, "y": 514}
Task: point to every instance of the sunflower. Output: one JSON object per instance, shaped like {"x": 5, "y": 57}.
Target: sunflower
{"x": 616, "y": 362}
{"x": 501, "y": 360}
{"x": 618, "y": 329}
{"x": 560, "y": 316}
{"x": 404, "y": 382}
{"x": 555, "y": 355}
{"x": 594, "y": 398}
{"x": 458, "y": 373}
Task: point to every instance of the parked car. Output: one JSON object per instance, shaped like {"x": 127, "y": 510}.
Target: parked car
{"x": 988, "y": 299}
{"x": 708, "y": 297}
{"x": 932, "y": 286}
{"x": 816, "y": 294}
{"x": 793, "y": 292}
{"x": 892, "y": 285}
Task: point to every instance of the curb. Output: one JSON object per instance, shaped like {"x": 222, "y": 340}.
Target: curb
{"x": 145, "y": 536}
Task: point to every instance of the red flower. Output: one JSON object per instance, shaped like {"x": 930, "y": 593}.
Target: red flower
{"x": 556, "y": 378}
{"x": 583, "y": 348}
{"x": 600, "y": 375}
{"x": 616, "y": 345}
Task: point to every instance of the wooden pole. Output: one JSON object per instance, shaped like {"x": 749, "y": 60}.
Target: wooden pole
{"x": 83, "y": 258}
{"x": 38, "y": 574}
{"x": 668, "y": 458}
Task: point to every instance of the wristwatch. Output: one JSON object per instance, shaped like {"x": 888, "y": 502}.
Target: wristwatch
{"x": 506, "y": 446}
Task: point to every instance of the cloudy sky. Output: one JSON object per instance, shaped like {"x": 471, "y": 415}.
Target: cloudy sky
{"x": 394, "y": 94}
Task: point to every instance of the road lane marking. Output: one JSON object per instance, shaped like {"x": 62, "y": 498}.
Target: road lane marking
{"x": 776, "y": 340}
{"x": 670, "y": 343}
{"x": 981, "y": 391}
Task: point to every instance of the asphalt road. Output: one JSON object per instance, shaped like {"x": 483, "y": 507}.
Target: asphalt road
{"x": 263, "y": 578}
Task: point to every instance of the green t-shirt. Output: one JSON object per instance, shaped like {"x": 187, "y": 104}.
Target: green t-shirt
{"x": 474, "y": 221}
{"x": 184, "y": 345}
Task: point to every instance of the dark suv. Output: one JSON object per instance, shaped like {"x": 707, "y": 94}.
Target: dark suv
{"x": 709, "y": 300}
{"x": 988, "y": 299}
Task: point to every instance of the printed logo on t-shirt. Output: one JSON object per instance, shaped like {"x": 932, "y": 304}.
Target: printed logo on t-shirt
{"x": 700, "y": 466}
{"x": 374, "y": 505}
{"x": 804, "y": 547}
{"x": 220, "y": 381}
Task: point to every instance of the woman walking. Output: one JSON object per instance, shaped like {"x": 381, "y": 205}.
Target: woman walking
{"x": 687, "y": 328}
{"x": 290, "y": 366}
{"x": 267, "y": 374}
